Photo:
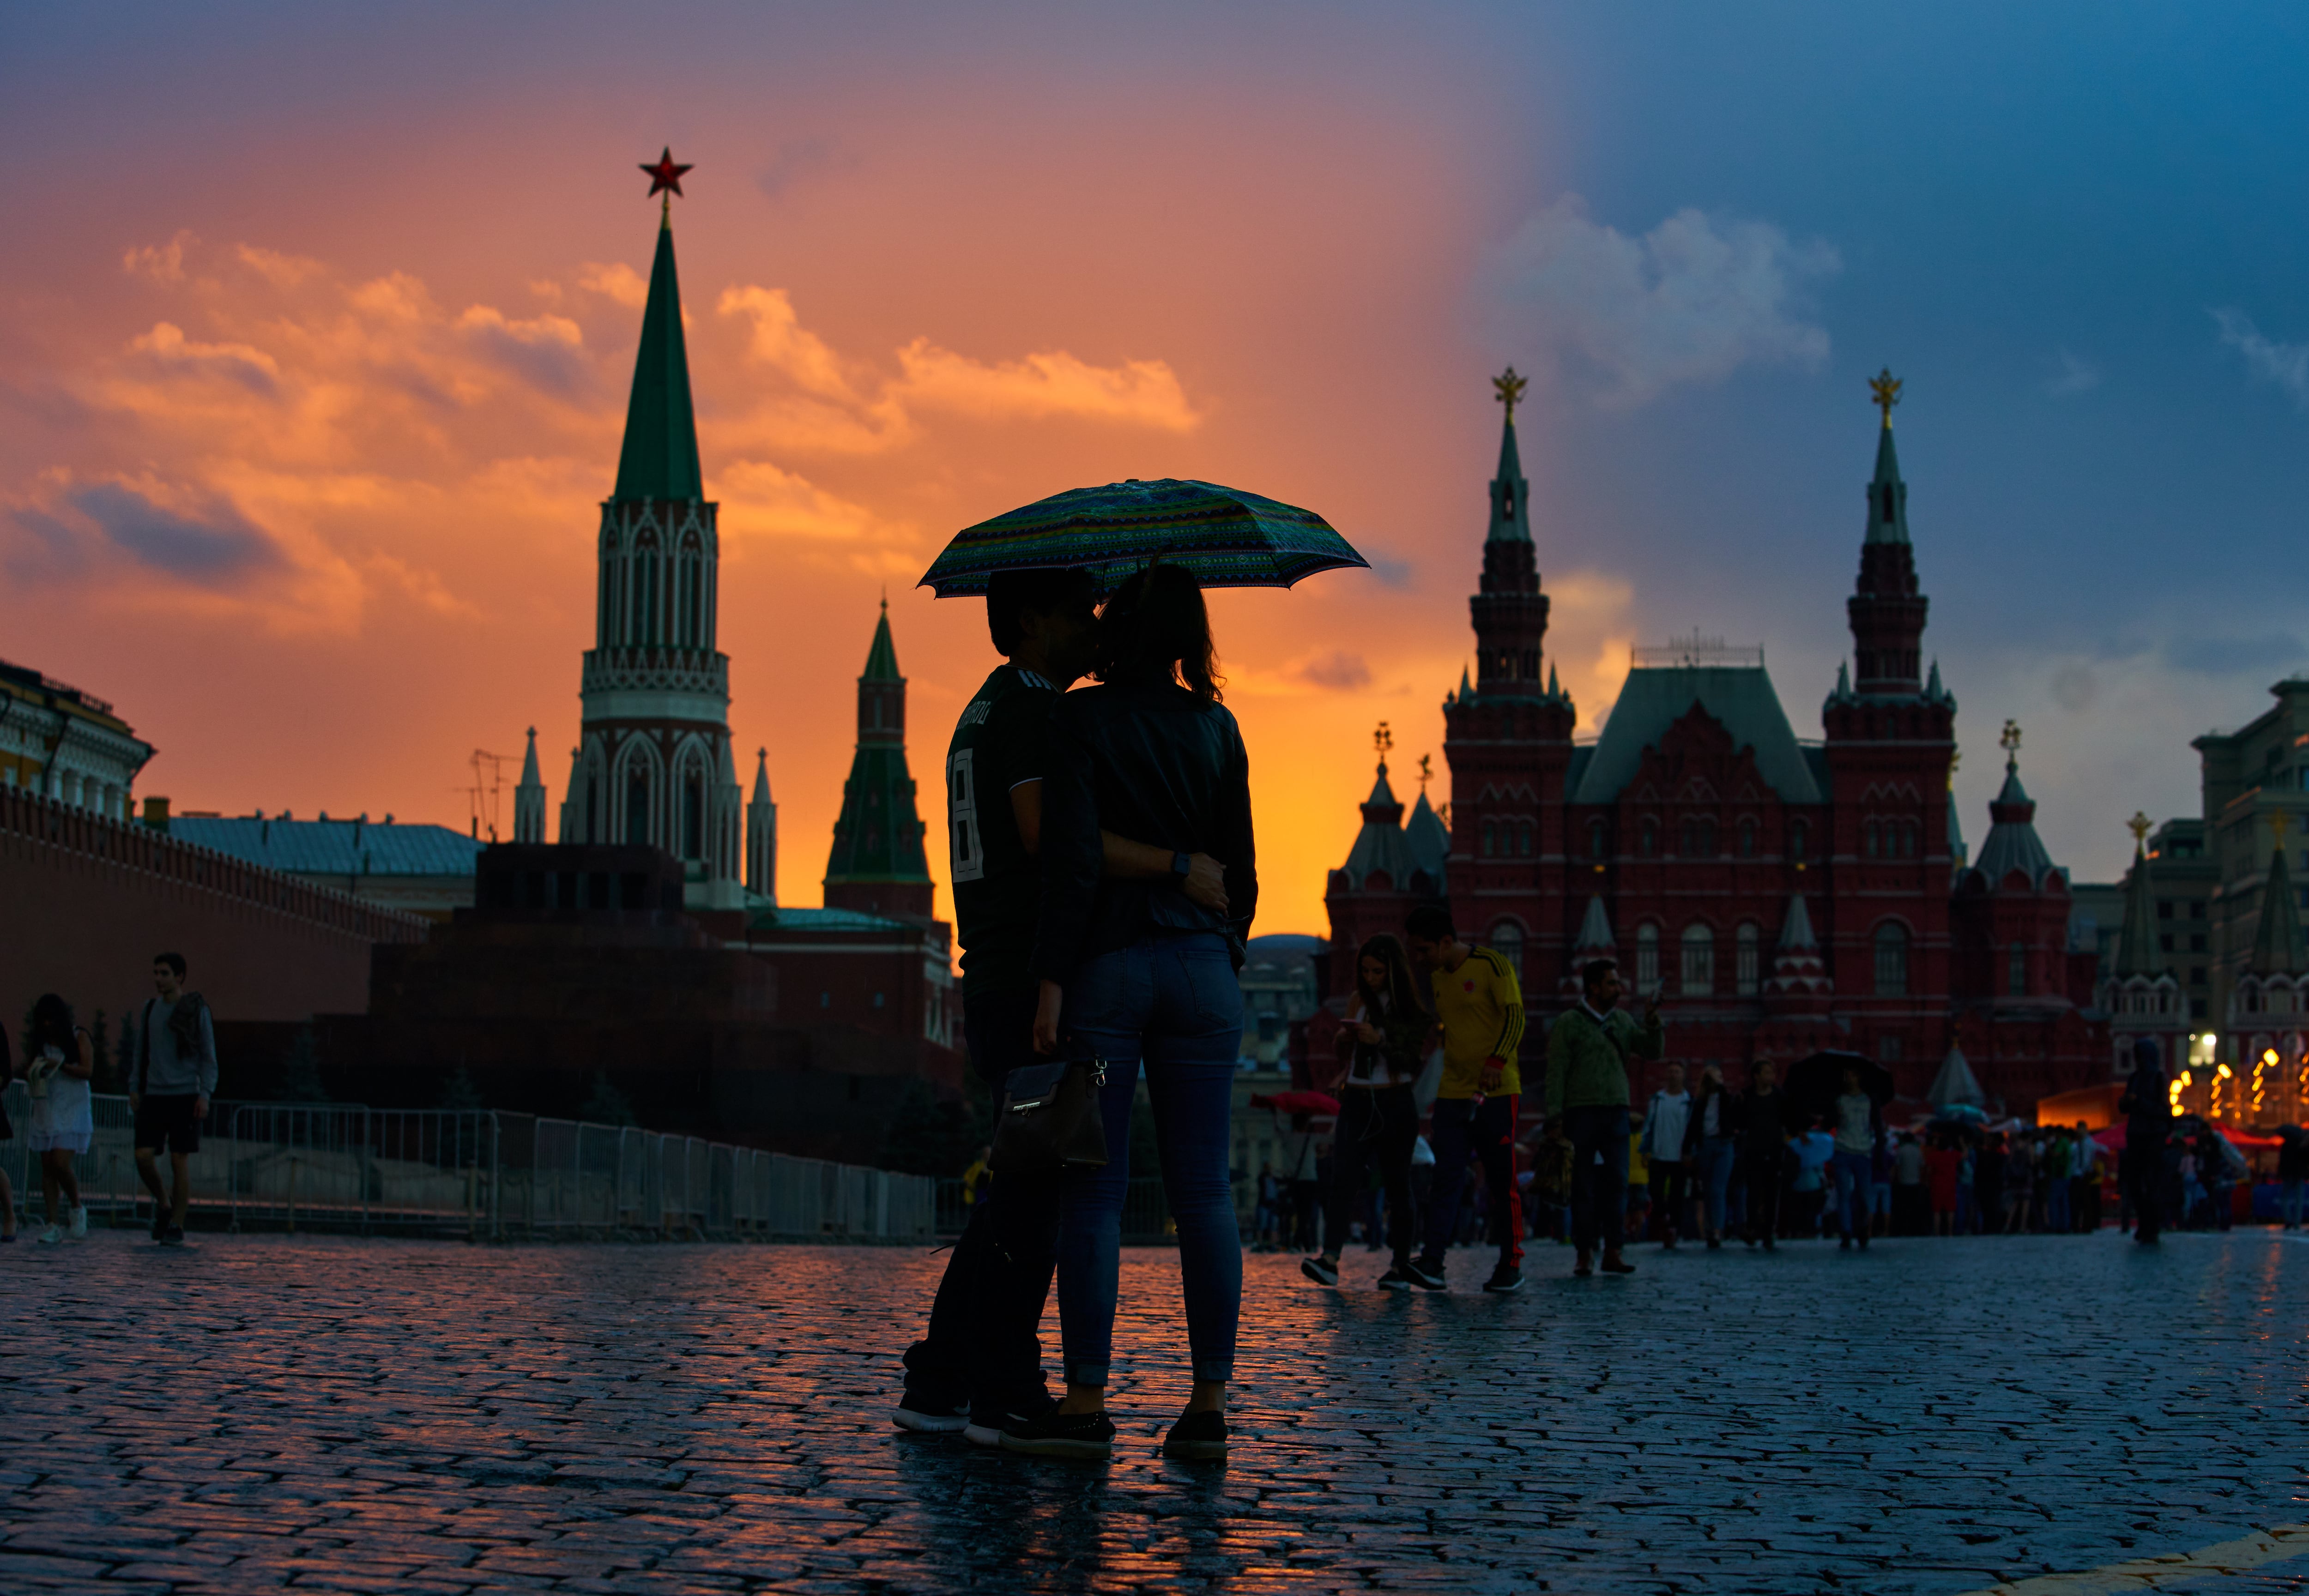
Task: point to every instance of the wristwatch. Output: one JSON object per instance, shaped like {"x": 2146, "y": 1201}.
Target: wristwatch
{"x": 1181, "y": 865}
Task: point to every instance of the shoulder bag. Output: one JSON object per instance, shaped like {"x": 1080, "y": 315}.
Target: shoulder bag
{"x": 1050, "y": 1121}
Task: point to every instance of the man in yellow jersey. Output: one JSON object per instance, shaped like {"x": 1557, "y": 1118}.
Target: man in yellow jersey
{"x": 1479, "y": 1004}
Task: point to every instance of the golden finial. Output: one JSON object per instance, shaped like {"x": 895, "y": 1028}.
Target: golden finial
{"x": 1426, "y": 772}
{"x": 2011, "y": 743}
{"x": 1510, "y": 387}
{"x": 1886, "y": 387}
{"x": 1384, "y": 741}
{"x": 2140, "y": 826}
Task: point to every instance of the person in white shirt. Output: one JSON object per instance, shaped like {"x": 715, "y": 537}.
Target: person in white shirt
{"x": 59, "y": 1064}
{"x": 1662, "y": 1144}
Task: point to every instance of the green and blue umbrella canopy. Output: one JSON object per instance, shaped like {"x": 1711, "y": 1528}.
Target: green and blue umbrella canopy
{"x": 1223, "y": 536}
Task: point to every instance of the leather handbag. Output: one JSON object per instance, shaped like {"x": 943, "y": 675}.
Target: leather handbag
{"x": 1050, "y": 1121}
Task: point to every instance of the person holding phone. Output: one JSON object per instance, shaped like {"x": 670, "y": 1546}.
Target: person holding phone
{"x": 61, "y": 1061}
{"x": 1385, "y": 1038}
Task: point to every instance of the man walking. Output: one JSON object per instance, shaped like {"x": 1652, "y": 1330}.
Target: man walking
{"x": 1479, "y": 1003}
{"x": 1667, "y": 1119}
{"x": 1588, "y": 1055}
{"x": 979, "y": 1364}
{"x": 175, "y": 1076}
{"x": 2147, "y": 1106}
{"x": 1859, "y": 1127}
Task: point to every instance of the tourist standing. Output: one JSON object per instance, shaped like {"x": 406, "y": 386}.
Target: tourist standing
{"x": 2084, "y": 1181}
{"x": 1763, "y": 1151}
{"x": 979, "y": 1364}
{"x": 1386, "y": 1037}
{"x": 1667, "y": 1120}
{"x": 1911, "y": 1212}
{"x": 1588, "y": 1054}
{"x": 60, "y": 1061}
{"x": 1479, "y": 1003}
{"x": 1859, "y": 1131}
{"x": 1944, "y": 1168}
{"x": 2020, "y": 1178}
{"x": 1712, "y": 1145}
{"x": 2292, "y": 1169}
{"x": 174, "y": 1078}
{"x": 1985, "y": 1160}
{"x": 1135, "y": 971}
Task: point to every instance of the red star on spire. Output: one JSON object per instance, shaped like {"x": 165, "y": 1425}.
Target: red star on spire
{"x": 664, "y": 173}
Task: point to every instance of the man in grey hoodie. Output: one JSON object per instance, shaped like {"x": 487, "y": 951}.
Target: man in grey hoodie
{"x": 170, "y": 1088}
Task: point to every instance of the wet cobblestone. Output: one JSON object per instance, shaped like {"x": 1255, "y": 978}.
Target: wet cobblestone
{"x": 377, "y": 1416}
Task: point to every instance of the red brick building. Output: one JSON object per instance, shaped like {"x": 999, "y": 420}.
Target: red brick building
{"x": 1782, "y": 895}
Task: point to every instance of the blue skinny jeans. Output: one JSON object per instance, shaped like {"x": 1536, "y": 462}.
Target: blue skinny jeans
{"x": 1855, "y": 1178}
{"x": 1174, "y": 1002}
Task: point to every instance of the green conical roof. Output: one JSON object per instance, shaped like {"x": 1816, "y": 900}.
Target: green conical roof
{"x": 2277, "y": 947}
{"x": 659, "y": 459}
{"x": 2136, "y": 944}
{"x": 1510, "y": 494}
{"x": 1888, "y": 496}
{"x": 882, "y": 659}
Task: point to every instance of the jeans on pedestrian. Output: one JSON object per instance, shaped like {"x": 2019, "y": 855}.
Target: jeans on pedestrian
{"x": 1762, "y": 1179}
{"x": 1717, "y": 1155}
{"x": 982, "y": 1344}
{"x": 2288, "y": 1202}
{"x": 2056, "y": 1205}
{"x": 1668, "y": 1192}
{"x": 1379, "y": 1125}
{"x": 1460, "y": 1130}
{"x": 1856, "y": 1182}
{"x": 1173, "y": 1001}
{"x": 1599, "y": 1185}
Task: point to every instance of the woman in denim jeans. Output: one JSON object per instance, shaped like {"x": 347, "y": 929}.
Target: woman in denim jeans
{"x": 1134, "y": 970}
{"x": 1711, "y": 1140}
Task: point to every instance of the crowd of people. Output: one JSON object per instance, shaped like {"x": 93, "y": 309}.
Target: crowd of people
{"x": 172, "y": 1075}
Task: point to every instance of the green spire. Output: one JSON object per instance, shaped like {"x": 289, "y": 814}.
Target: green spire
{"x": 2277, "y": 946}
{"x": 1510, "y": 494}
{"x": 1888, "y": 496}
{"x": 659, "y": 459}
{"x": 2136, "y": 944}
{"x": 882, "y": 659}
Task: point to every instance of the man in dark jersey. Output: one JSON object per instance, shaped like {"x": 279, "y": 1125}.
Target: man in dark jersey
{"x": 980, "y": 1363}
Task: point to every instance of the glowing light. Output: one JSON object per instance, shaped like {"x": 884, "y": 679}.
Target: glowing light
{"x": 2224, "y": 1073}
{"x": 2269, "y": 1055}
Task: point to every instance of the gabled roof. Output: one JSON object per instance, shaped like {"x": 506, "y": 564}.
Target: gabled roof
{"x": 333, "y": 847}
{"x": 660, "y": 458}
{"x": 1739, "y": 696}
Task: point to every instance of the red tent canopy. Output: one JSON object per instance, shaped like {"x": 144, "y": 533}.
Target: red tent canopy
{"x": 2113, "y": 1138}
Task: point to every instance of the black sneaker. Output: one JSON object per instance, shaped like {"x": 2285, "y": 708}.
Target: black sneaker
{"x": 1062, "y": 1434}
{"x": 986, "y": 1430}
{"x": 159, "y": 1224}
{"x": 1198, "y": 1439}
{"x": 1426, "y": 1276}
{"x": 1395, "y": 1280}
{"x": 1321, "y": 1270}
{"x": 930, "y": 1418}
{"x": 174, "y": 1237}
{"x": 1506, "y": 1277}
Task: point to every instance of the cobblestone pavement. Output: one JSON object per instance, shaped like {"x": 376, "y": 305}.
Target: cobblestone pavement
{"x": 376, "y": 1416}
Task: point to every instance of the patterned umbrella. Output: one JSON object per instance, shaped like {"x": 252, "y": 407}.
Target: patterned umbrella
{"x": 1227, "y": 537}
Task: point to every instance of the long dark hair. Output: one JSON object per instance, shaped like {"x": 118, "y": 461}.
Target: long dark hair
{"x": 1155, "y": 627}
{"x": 51, "y": 1024}
{"x": 1402, "y": 994}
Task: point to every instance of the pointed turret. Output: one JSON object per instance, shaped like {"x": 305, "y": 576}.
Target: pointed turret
{"x": 878, "y": 864}
{"x": 1509, "y": 611}
{"x": 1430, "y": 843}
{"x": 659, "y": 459}
{"x": 1955, "y": 1084}
{"x": 2136, "y": 952}
{"x": 2277, "y": 947}
{"x": 1888, "y": 496}
{"x": 1510, "y": 494}
{"x": 529, "y": 798}
{"x": 1799, "y": 979}
{"x": 762, "y": 835}
{"x": 1886, "y": 610}
{"x": 1381, "y": 847}
{"x": 2012, "y": 844}
{"x": 1594, "y": 940}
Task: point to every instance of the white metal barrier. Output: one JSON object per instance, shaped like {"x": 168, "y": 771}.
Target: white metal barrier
{"x": 488, "y": 1175}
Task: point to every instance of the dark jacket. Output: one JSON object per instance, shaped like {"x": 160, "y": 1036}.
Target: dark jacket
{"x": 1727, "y": 1122}
{"x": 1763, "y": 1126}
{"x": 1156, "y": 764}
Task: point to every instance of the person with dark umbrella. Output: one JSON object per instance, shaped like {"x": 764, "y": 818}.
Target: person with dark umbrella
{"x": 2148, "y": 1107}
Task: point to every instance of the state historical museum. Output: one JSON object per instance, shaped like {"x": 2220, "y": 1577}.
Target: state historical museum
{"x": 1782, "y": 895}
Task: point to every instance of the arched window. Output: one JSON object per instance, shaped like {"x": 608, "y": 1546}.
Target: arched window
{"x": 1875, "y": 840}
{"x": 1490, "y": 840}
{"x": 693, "y": 816}
{"x": 1523, "y": 839}
{"x": 1506, "y": 941}
{"x": 1699, "y": 962}
{"x": 1646, "y": 958}
{"x": 1891, "y": 960}
{"x": 2016, "y": 970}
{"x": 1747, "y": 839}
{"x": 1799, "y": 840}
{"x": 1648, "y": 838}
{"x": 1698, "y": 837}
{"x": 1596, "y": 838}
{"x": 1747, "y": 969}
{"x": 637, "y": 805}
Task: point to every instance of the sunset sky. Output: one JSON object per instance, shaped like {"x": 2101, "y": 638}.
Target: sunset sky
{"x": 315, "y": 324}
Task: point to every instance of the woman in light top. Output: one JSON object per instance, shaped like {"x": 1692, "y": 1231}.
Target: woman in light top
{"x": 1387, "y": 1036}
{"x": 59, "y": 1064}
